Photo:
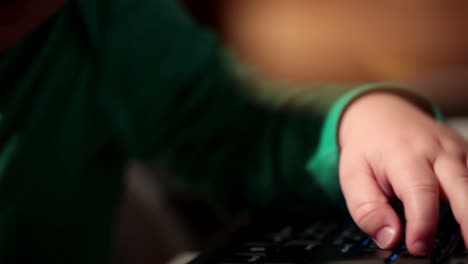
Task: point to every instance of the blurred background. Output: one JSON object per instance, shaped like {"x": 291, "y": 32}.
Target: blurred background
{"x": 418, "y": 42}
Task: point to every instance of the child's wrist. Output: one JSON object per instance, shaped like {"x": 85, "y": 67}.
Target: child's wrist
{"x": 367, "y": 104}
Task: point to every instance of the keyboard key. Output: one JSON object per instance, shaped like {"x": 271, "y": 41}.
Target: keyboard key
{"x": 446, "y": 247}
{"x": 256, "y": 250}
{"x": 318, "y": 231}
{"x": 281, "y": 235}
{"x": 296, "y": 252}
{"x": 238, "y": 259}
{"x": 327, "y": 253}
{"x": 306, "y": 243}
{"x": 412, "y": 260}
{"x": 376, "y": 253}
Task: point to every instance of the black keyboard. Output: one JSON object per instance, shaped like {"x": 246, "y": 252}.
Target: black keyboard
{"x": 335, "y": 239}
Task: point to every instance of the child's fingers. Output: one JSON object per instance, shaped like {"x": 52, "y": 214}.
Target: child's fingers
{"x": 367, "y": 204}
{"x": 453, "y": 177}
{"x": 416, "y": 186}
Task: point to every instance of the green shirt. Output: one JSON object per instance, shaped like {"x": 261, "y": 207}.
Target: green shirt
{"x": 103, "y": 81}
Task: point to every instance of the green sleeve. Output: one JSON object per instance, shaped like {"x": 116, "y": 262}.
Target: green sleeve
{"x": 170, "y": 92}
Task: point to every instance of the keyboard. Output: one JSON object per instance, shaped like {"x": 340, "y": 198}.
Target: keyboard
{"x": 333, "y": 239}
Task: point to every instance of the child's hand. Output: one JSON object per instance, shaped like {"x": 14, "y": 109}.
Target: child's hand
{"x": 391, "y": 149}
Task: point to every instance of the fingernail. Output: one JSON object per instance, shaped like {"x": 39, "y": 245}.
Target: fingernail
{"x": 421, "y": 247}
{"x": 385, "y": 237}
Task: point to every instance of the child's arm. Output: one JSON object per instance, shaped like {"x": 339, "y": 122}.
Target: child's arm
{"x": 181, "y": 101}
